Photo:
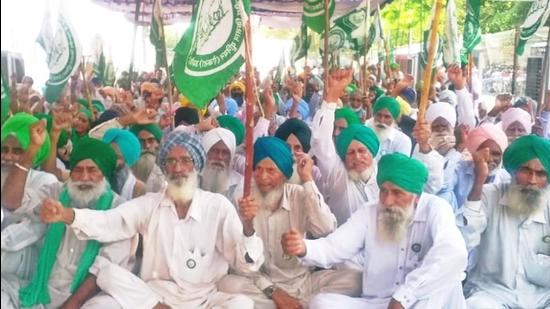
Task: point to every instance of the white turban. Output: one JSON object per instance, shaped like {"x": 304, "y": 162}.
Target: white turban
{"x": 516, "y": 114}
{"x": 448, "y": 96}
{"x": 441, "y": 109}
{"x": 219, "y": 134}
{"x": 487, "y": 102}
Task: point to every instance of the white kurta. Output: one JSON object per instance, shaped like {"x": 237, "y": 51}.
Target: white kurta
{"x": 427, "y": 266}
{"x": 513, "y": 267}
{"x": 182, "y": 258}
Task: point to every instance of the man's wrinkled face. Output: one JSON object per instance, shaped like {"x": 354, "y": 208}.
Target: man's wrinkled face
{"x": 178, "y": 164}
{"x": 87, "y": 174}
{"x": 383, "y": 119}
{"x": 532, "y": 173}
{"x": 495, "y": 154}
{"x": 149, "y": 143}
{"x": 11, "y": 151}
{"x": 219, "y": 156}
{"x": 515, "y": 130}
{"x": 358, "y": 157}
{"x": 294, "y": 143}
{"x": 267, "y": 176}
{"x": 356, "y": 100}
{"x": 81, "y": 123}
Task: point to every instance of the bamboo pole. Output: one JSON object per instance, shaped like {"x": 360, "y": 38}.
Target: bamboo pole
{"x": 325, "y": 44}
{"x": 545, "y": 76}
{"x": 86, "y": 87}
{"x": 250, "y": 95}
{"x": 515, "y": 66}
{"x": 423, "y": 105}
{"x": 168, "y": 78}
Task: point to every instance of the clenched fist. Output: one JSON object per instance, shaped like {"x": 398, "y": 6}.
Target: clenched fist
{"x": 293, "y": 243}
{"x": 248, "y": 208}
{"x": 52, "y": 211}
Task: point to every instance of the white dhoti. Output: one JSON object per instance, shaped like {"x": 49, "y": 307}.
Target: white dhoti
{"x": 346, "y": 282}
{"x": 440, "y": 300}
{"x": 129, "y": 291}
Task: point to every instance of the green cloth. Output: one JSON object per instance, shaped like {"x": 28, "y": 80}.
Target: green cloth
{"x": 152, "y": 128}
{"x": 378, "y": 92}
{"x": 88, "y": 114}
{"x": 524, "y": 149}
{"x": 389, "y": 103}
{"x": 95, "y": 104}
{"x": 18, "y": 126}
{"x": 360, "y": 133}
{"x": 407, "y": 173}
{"x": 348, "y": 114}
{"x": 101, "y": 153}
{"x": 234, "y": 125}
{"x": 36, "y": 292}
{"x": 351, "y": 88}
{"x": 63, "y": 137}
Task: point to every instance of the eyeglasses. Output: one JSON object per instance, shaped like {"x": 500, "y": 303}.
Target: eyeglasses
{"x": 183, "y": 160}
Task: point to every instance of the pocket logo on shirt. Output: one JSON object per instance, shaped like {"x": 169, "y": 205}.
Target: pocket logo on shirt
{"x": 546, "y": 239}
{"x": 416, "y": 247}
{"x": 191, "y": 263}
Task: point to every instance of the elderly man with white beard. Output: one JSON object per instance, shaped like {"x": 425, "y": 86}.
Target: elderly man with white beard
{"x": 20, "y": 231}
{"x": 415, "y": 255}
{"x": 190, "y": 237}
{"x": 348, "y": 166}
{"x": 509, "y": 224}
{"x": 146, "y": 168}
{"x": 384, "y": 123}
{"x": 218, "y": 175}
{"x": 66, "y": 271}
{"x": 283, "y": 282}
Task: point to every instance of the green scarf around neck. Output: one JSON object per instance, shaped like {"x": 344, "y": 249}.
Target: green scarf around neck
{"x": 37, "y": 291}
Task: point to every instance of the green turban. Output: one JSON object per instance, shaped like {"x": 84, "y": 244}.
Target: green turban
{"x": 389, "y": 103}
{"x": 378, "y": 92}
{"x": 234, "y": 125}
{"x": 407, "y": 173}
{"x": 88, "y": 113}
{"x": 101, "y": 153}
{"x": 18, "y": 126}
{"x": 152, "y": 128}
{"x": 95, "y": 104}
{"x": 360, "y": 133}
{"x": 524, "y": 149}
{"x": 348, "y": 114}
{"x": 351, "y": 88}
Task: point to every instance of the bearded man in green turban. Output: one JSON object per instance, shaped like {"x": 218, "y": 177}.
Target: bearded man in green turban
{"x": 65, "y": 273}
{"x": 414, "y": 253}
{"x": 507, "y": 225}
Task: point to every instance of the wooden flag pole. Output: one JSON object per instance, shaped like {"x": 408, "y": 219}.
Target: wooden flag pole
{"x": 325, "y": 44}
{"x": 136, "y": 16}
{"x": 250, "y": 95}
{"x": 364, "y": 67}
{"x": 423, "y": 105}
{"x": 168, "y": 77}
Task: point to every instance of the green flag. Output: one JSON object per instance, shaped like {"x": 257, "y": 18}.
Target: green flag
{"x": 354, "y": 25}
{"x": 5, "y": 99}
{"x": 99, "y": 59}
{"x": 63, "y": 59}
{"x": 426, "y": 45}
{"x": 300, "y": 44}
{"x": 472, "y": 31}
{"x": 451, "y": 43}
{"x": 314, "y": 14}
{"x": 156, "y": 34}
{"x": 211, "y": 50}
{"x": 375, "y": 30}
{"x": 536, "y": 18}
{"x": 279, "y": 75}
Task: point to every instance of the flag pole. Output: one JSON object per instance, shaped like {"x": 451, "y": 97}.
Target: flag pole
{"x": 136, "y": 16}
{"x": 428, "y": 69}
{"x": 515, "y": 66}
{"x": 250, "y": 94}
{"x": 325, "y": 49}
{"x": 168, "y": 78}
{"x": 364, "y": 67}
{"x": 545, "y": 75}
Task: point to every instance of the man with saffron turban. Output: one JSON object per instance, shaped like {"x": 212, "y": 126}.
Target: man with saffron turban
{"x": 509, "y": 224}
{"x": 414, "y": 253}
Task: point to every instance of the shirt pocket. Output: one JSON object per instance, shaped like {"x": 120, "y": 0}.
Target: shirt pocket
{"x": 537, "y": 257}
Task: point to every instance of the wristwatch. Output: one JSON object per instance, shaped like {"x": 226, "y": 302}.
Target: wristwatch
{"x": 268, "y": 292}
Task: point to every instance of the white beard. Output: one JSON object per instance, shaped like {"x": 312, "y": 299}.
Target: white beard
{"x": 144, "y": 166}
{"x": 526, "y": 200}
{"x": 270, "y": 200}
{"x": 382, "y": 132}
{"x": 364, "y": 176}
{"x": 393, "y": 222}
{"x": 181, "y": 190}
{"x": 83, "y": 198}
{"x": 215, "y": 178}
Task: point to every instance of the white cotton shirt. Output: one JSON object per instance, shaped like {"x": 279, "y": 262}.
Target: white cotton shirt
{"x": 182, "y": 258}
{"x": 432, "y": 256}
{"x": 518, "y": 264}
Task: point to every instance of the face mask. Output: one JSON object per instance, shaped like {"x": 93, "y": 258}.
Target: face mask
{"x": 239, "y": 99}
{"x": 442, "y": 142}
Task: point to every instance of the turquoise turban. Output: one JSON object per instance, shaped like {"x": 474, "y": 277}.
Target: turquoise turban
{"x": 127, "y": 143}
{"x": 276, "y": 150}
